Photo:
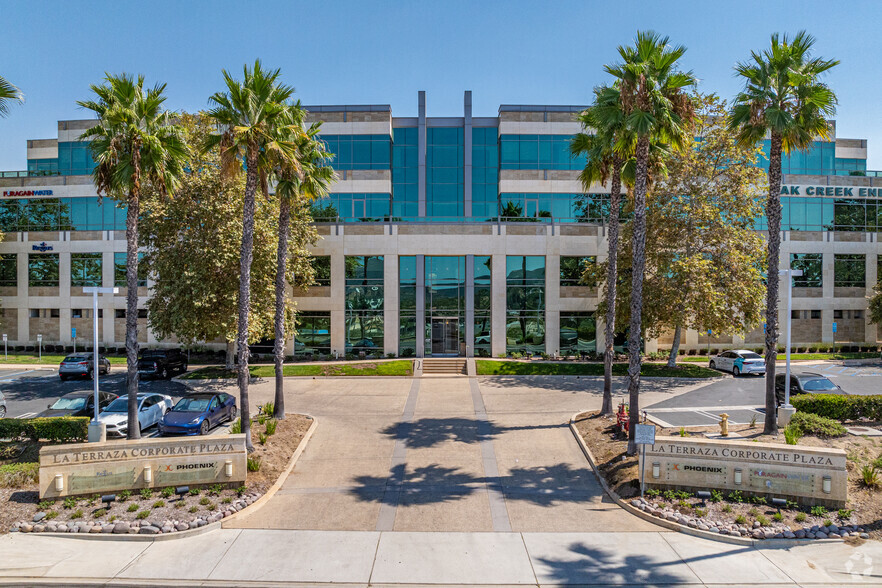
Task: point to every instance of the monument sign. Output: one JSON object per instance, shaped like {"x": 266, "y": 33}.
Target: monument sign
{"x": 93, "y": 468}
{"x": 808, "y": 475}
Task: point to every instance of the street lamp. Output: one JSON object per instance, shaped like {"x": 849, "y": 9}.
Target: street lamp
{"x": 790, "y": 273}
{"x": 97, "y": 432}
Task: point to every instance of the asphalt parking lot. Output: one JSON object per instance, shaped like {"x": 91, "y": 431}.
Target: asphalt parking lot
{"x": 28, "y": 392}
{"x": 743, "y": 398}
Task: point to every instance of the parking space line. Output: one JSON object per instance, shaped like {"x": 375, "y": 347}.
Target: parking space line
{"x": 658, "y": 421}
{"x": 26, "y": 415}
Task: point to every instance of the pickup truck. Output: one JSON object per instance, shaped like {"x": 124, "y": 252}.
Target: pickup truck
{"x": 161, "y": 363}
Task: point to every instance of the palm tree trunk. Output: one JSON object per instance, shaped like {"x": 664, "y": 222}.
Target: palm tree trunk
{"x": 773, "y": 214}
{"x": 609, "y": 327}
{"x": 281, "y": 270}
{"x": 132, "y": 213}
{"x": 638, "y": 265}
{"x": 675, "y": 347}
{"x": 246, "y": 257}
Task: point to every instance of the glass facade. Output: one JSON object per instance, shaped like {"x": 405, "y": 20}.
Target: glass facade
{"x": 321, "y": 265}
{"x": 119, "y": 270}
{"x": 312, "y": 334}
{"x": 819, "y": 160}
{"x": 359, "y": 151}
{"x": 405, "y": 172}
{"x": 407, "y": 305}
{"x": 589, "y": 208}
{"x": 445, "y": 304}
{"x": 485, "y": 172}
{"x": 444, "y": 171}
{"x": 85, "y": 269}
{"x": 364, "y": 303}
{"x": 368, "y": 206}
{"x": 572, "y": 268}
{"x": 61, "y": 214}
{"x": 8, "y": 270}
{"x": 525, "y": 304}
{"x": 483, "y": 304}
{"x": 43, "y": 270}
{"x": 578, "y": 333}
{"x": 538, "y": 152}
{"x": 812, "y": 266}
{"x": 849, "y": 270}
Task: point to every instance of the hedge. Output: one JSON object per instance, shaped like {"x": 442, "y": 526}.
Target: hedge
{"x": 807, "y": 423}
{"x": 52, "y": 429}
{"x": 15, "y": 475}
{"x": 840, "y": 407}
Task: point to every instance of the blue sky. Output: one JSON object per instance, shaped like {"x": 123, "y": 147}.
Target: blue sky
{"x": 511, "y": 52}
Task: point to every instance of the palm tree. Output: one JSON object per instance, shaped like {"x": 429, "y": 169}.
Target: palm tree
{"x": 655, "y": 106}
{"x": 254, "y": 121}
{"x": 135, "y": 140}
{"x": 298, "y": 185}
{"x": 603, "y": 150}
{"x": 784, "y": 99}
{"x": 8, "y": 94}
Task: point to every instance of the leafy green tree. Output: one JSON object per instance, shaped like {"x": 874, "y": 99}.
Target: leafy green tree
{"x": 195, "y": 296}
{"x": 8, "y": 94}
{"x": 604, "y": 143}
{"x": 255, "y": 127}
{"x": 135, "y": 140}
{"x": 300, "y": 183}
{"x": 783, "y": 98}
{"x": 656, "y": 107}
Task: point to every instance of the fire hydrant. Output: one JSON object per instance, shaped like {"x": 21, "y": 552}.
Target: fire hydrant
{"x": 724, "y": 425}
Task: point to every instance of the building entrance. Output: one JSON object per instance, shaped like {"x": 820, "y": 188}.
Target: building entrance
{"x": 445, "y": 336}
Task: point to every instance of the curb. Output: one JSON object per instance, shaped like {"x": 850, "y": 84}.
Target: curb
{"x": 670, "y": 525}
{"x": 211, "y": 526}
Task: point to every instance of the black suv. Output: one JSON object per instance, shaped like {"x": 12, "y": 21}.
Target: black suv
{"x": 161, "y": 363}
{"x": 805, "y": 383}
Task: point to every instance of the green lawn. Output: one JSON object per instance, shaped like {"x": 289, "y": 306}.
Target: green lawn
{"x": 489, "y": 367}
{"x": 402, "y": 367}
{"x": 47, "y": 359}
{"x": 797, "y": 356}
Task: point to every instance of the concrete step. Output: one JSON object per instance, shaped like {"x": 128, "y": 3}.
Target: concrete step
{"x": 444, "y": 366}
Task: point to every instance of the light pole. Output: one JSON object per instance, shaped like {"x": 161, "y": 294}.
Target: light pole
{"x": 790, "y": 273}
{"x": 96, "y": 430}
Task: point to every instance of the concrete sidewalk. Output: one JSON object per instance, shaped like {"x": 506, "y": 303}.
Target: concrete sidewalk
{"x": 242, "y": 557}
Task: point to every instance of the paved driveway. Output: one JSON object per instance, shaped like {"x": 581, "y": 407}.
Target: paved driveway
{"x": 443, "y": 454}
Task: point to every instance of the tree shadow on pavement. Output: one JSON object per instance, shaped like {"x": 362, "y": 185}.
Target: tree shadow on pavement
{"x": 429, "y": 432}
{"x": 588, "y": 565}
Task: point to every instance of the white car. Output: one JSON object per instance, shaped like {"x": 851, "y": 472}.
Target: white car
{"x": 739, "y": 361}
{"x": 151, "y": 408}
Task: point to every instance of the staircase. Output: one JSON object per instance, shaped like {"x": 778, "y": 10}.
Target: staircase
{"x": 451, "y": 366}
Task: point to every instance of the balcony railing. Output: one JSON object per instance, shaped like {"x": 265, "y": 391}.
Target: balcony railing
{"x": 456, "y": 219}
{"x": 28, "y": 174}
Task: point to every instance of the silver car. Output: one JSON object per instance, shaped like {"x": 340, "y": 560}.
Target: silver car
{"x": 82, "y": 365}
{"x": 2, "y": 406}
{"x": 739, "y": 361}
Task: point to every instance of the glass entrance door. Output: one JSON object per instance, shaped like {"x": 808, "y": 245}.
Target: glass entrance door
{"x": 445, "y": 336}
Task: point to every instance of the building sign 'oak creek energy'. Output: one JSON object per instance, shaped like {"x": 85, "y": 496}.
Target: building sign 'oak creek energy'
{"x": 91, "y": 468}
{"x": 810, "y": 475}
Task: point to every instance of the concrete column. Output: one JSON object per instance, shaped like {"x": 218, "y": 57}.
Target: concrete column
{"x": 24, "y": 324}
{"x": 552, "y": 303}
{"x": 467, "y": 153}
{"x": 64, "y": 326}
{"x": 390, "y": 304}
{"x": 64, "y": 276}
{"x": 420, "y": 305}
{"x": 470, "y": 306}
{"x": 828, "y": 289}
{"x": 338, "y": 332}
{"x": 421, "y": 157}
{"x": 870, "y": 329}
{"x": 497, "y": 305}
{"x": 689, "y": 339}
{"x": 600, "y": 326}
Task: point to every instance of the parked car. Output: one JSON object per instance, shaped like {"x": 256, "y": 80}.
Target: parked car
{"x": 151, "y": 408}
{"x": 739, "y": 361}
{"x": 2, "y": 406}
{"x": 81, "y": 403}
{"x": 196, "y": 414}
{"x": 161, "y": 363}
{"x": 805, "y": 383}
{"x": 82, "y": 364}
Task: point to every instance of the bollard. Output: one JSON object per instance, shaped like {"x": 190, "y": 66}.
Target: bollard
{"x": 724, "y": 425}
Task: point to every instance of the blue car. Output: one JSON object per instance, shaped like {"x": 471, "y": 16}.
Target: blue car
{"x": 196, "y": 414}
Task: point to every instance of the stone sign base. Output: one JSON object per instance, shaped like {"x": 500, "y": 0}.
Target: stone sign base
{"x": 807, "y": 475}
{"x": 95, "y": 468}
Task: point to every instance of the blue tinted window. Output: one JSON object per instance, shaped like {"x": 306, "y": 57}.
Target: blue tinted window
{"x": 359, "y": 151}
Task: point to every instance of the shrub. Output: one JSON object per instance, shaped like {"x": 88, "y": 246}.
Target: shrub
{"x": 146, "y": 493}
{"x": 194, "y": 509}
{"x": 700, "y": 512}
{"x": 254, "y": 464}
{"x": 800, "y": 517}
{"x": 727, "y": 508}
{"x": 753, "y": 512}
{"x": 124, "y": 495}
{"x": 70, "y": 502}
{"x": 45, "y": 504}
{"x": 844, "y": 513}
{"x": 683, "y": 432}
{"x": 215, "y": 489}
{"x": 778, "y": 517}
{"x": 168, "y": 492}
{"x": 241, "y": 490}
{"x": 99, "y": 513}
{"x": 142, "y": 515}
{"x": 812, "y": 424}
{"x": 735, "y": 496}
{"x": 261, "y": 438}
{"x": 52, "y": 429}
{"x": 762, "y": 520}
{"x": 827, "y": 522}
{"x": 269, "y": 408}
{"x": 236, "y": 427}
{"x": 271, "y": 426}
{"x": 716, "y": 496}
{"x": 840, "y": 407}
{"x": 13, "y": 475}
{"x": 227, "y": 500}
{"x": 791, "y": 434}
{"x": 158, "y": 504}
{"x": 869, "y": 477}
{"x": 818, "y": 511}
{"x": 740, "y": 520}
{"x": 194, "y": 492}
{"x": 204, "y": 501}
{"x": 51, "y": 514}
{"x": 77, "y": 514}
{"x": 179, "y": 504}
{"x": 132, "y": 507}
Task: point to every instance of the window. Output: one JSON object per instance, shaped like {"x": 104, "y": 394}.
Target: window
{"x": 405, "y": 172}
{"x": 816, "y": 314}
{"x": 572, "y": 269}
{"x": 359, "y": 151}
{"x": 142, "y": 313}
{"x": 34, "y": 313}
{"x": 9, "y": 270}
{"x": 811, "y": 265}
{"x": 119, "y": 270}
{"x": 795, "y": 314}
{"x": 85, "y": 269}
{"x": 483, "y": 304}
{"x": 43, "y": 270}
{"x": 76, "y": 313}
{"x": 364, "y": 303}
{"x": 54, "y": 313}
{"x": 321, "y": 265}
{"x": 525, "y": 303}
{"x": 538, "y": 152}
{"x": 849, "y": 271}
{"x": 578, "y": 333}
{"x": 61, "y": 214}
{"x": 119, "y": 313}
{"x": 857, "y": 314}
{"x": 837, "y": 314}
{"x": 444, "y": 171}
{"x": 312, "y": 334}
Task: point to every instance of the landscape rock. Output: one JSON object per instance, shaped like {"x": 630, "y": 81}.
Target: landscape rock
{"x": 182, "y": 526}
{"x": 39, "y": 528}
{"x": 73, "y": 529}
{"x": 39, "y": 517}
{"x": 167, "y": 528}
{"x": 820, "y": 535}
{"x": 149, "y": 530}
{"x": 62, "y": 528}
{"x": 864, "y": 536}
{"x": 96, "y": 529}
{"x": 789, "y": 535}
{"x": 121, "y": 528}
{"x": 26, "y": 528}
{"x": 194, "y": 524}
{"x": 51, "y": 528}
{"x": 107, "y": 528}
{"x": 703, "y": 527}
{"x": 835, "y": 536}
{"x": 714, "y": 530}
